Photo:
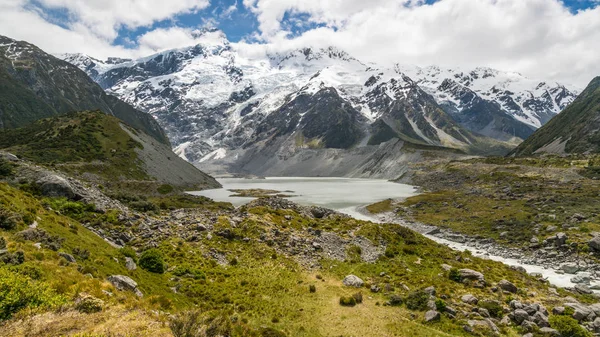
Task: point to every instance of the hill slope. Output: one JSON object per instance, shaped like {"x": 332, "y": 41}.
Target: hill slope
{"x": 100, "y": 148}
{"x": 575, "y": 130}
{"x": 35, "y": 85}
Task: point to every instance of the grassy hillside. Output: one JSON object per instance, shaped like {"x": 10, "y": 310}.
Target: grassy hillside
{"x": 249, "y": 283}
{"x": 100, "y": 148}
{"x": 577, "y": 128}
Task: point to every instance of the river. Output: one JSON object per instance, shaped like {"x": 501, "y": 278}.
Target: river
{"x": 349, "y": 196}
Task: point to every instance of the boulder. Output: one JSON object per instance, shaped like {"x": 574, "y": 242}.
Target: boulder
{"x": 594, "y": 244}
{"x": 558, "y": 310}
{"x": 124, "y": 283}
{"x": 569, "y": 268}
{"x": 68, "y": 257}
{"x": 9, "y": 156}
{"x": 507, "y": 286}
{"x": 546, "y": 331}
{"x": 582, "y": 278}
{"x": 485, "y": 324}
{"x": 353, "y": 281}
{"x": 560, "y": 239}
{"x": 528, "y": 326}
{"x": 581, "y": 311}
{"x": 583, "y": 289}
{"x": 54, "y": 186}
{"x": 520, "y": 316}
{"x": 469, "y": 299}
{"x": 432, "y": 316}
{"x": 540, "y": 319}
{"x": 130, "y": 264}
{"x": 468, "y": 274}
{"x": 430, "y": 290}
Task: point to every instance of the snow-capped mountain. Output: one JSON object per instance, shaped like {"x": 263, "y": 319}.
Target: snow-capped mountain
{"x": 217, "y": 103}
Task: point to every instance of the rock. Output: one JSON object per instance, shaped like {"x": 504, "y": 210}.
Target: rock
{"x": 528, "y": 326}
{"x": 581, "y": 312}
{"x": 569, "y": 268}
{"x": 130, "y": 264}
{"x": 596, "y": 324}
{"x": 468, "y": 274}
{"x": 124, "y": 283}
{"x": 68, "y": 257}
{"x": 375, "y": 289}
{"x": 432, "y": 316}
{"x": 430, "y": 290}
{"x": 469, "y": 299}
{"x": 446, "y": 267}
{"x": 594, "y": 244}
{"x": 507, "y": 286}
{"x": 540, "y": 319}
{"x": 55, "y": 186}
{"x": 583, "y": 289}
{"x": 353, "y": 281}
{"x": 514, "y": 304}
{"x": 558, "y": 310}
{"x": 582, "y": 278}
{"x": 560, "y": 239}
{"x": 201, "y": 228}
{"x": 485, "y": 324}
{"x": 520, "y": 315}
{"x": 546, "y": 331}
{"x": 9, "y": 156}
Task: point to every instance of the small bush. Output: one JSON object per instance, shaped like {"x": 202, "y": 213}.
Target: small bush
{"x": 347, "y": 301}
{"x": 83, "y": 254}
{"x": 312, "y": 288}
{"x": 128, "y": 252}
{"x": 144, "y": 206}
{"x": 18, "y": 292}
{"x": 493, "y": 307}
{"x": 89, "y": 304}
{"x": 152, "y": 261}
{"x": 8, "y": 220}
{"x": 358, "y": 297}
{"x": 165, "y": 189}
{"x": 568, "y": 326}
{"x": 15, "y": 258}
{"x": 395, "y": 300}
{"x": 440, "y": 305}
{"x": 454, "y": 275}
{"x": 6, "y": 169}
{"x": 417, "y": 300}
{"x": 270, "y": 332}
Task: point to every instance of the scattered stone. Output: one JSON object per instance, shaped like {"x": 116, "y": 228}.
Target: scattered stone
{"x": 68, "y": 257}
{"x": 582, "y": 278}
{"x": 546, "y": 331}
{"x": 468, "y": 274}
{"x": 353, "y": 281}
{"x": 432, "y": 315}
{"x": 581, "y": 312}
{"x": 469, "y": 299}
{"x": 375, "y": 288}
{"x": 583, "y": 289}
{"x": 558, "y": 310}
{"x": 124, "y": 283}
{"x": 569, "y": 268}
{"x": 430, "y": 290}
{"x": 507, "y": 286}
{"x": 88, "y": 304}
{"x": 130, "y": 264}
{"x": 520, "y": 315}
{"x": 529, "y": 326}
{"x": 594, "y": 244}
{"x": 446, "y": 267}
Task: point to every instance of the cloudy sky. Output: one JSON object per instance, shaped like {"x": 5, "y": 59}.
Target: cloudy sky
{"x": 545, "y": 39}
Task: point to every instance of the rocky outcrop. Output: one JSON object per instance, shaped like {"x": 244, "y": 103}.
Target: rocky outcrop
{"x": 125, "y": 283}
{"x": 353, "y": 281}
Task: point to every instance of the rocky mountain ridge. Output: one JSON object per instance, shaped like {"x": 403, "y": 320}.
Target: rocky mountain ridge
{"x": 216, "y": 101}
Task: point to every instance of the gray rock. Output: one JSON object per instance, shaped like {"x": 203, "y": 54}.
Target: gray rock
{"x": 9, "y": 156}
{"x": 528, "y": 326}
{"x": 432, "y": 315}
{"x": 581, "y": 312}
{"x": 546, "y": 331}
{"x": 520, "y": 316}
{"x": 483, "y": 324}
{"x": 353, "y": 281}
{"x": 507, "y": 286}
{"x": 469, "y": 299}
{"x": 130, "y": 264}
{"x": 124, "y": 283}
{"x": 569, "y": 268}
{"x": 558, "y": 310}
{"x": 583, "y": 289}
{"x": 446, "y": 267}
{"x": 375, "y": 289}
{"x": 55, "y": 186}
{"x": 430, "y": 290}
{"x": 596, "y": 324}
{"x": 582, "y": 278}
{"x": 514, "y": 304}
{"x": 560, "y": 239}
{"x": 594, "y": 244}
{"x": 540, "y": 319}
{"x": 469, "y": 274}
{"x": 68, "y": 257}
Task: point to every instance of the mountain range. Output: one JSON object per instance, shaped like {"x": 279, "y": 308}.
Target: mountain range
{"x": 227, "y": 110}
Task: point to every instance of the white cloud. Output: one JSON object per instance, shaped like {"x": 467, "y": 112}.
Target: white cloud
{"x": 540, "y": 38}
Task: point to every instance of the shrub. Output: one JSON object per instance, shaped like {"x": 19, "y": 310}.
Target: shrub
{"x": 568, "y": 326}
{"x": 83, "y": 254}
{"x": 6, "y": 169}
{"x": 417, "y": 300}
{"x": 144, "y": 206}
{"x": 493, "y": 307}
{"x": 312, "y": 288}
{"x": 128, "y": 252}
{"x": 440, "y": 305}
{"x": 454, "y": 275}
{"x": 395, "y": 300}
{"x": 270, "y": 332}
{"x": 358, "y": 297}
{"x": 8, "y": 220}
{"x": 15, "y": 258}
{"x": 152, "y": 261}
{"x": 165, "y": 189}
{"x": 18, "y": 292}
{"x": 89, "y": 304}
{"x": 194, "y": 324}
{"x": 347, "y": 301}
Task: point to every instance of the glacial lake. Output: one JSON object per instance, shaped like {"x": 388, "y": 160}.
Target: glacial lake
{"x": 345, "y": 195}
